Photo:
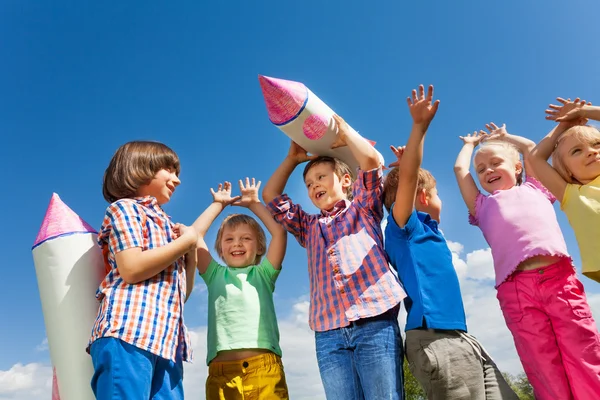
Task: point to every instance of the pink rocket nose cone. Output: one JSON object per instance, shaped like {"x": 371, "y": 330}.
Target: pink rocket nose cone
{"x": 60, "y": 220}
{"x": 285, "y": 100}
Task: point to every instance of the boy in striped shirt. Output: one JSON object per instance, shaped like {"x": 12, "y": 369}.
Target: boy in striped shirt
{"x": 354, "y": 296}
{"x": 139, "y": 339}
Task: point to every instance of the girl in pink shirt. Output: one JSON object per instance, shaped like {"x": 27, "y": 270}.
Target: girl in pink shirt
{"x": 543, "y": 302}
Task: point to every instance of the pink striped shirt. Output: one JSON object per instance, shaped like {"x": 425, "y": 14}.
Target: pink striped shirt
{"x": 149, "y": 314}
{"x": 348, "y": 270}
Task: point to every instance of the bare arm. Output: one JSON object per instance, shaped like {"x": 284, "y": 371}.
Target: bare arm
{"x": 221, "y": 199}
{"x": 568, "y": 114}
{"x": 422, "y": 111}
{"x": 136, "y": 265}
{"x": 276, "y": 184}
{"x": 363, "y": 152}
{"x": 191, "y": 263}
{"x": 544, "y": 172}
{"x": 466, "y": 183}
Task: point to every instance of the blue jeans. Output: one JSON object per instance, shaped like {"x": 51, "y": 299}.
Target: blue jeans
{"x": 123, "y": 371}
{"x": 363, "y": 360}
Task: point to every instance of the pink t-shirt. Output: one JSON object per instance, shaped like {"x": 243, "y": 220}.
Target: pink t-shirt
{"x": 518, "y": 223}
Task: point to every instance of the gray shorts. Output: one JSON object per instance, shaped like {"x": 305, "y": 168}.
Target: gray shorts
{"x": 452, "y": 365}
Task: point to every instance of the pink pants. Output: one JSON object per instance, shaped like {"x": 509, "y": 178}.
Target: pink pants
{"x": 555, "y": 334}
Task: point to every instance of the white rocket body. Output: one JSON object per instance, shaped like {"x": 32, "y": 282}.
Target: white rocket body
{"x": 69, "y": 269}
{"x": 305, "y": 118}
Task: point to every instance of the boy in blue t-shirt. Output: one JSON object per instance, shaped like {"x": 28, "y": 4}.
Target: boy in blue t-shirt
{"x": 447, "y": 362}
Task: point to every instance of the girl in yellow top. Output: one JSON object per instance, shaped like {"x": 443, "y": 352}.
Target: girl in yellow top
{"x": 574, "y": 176}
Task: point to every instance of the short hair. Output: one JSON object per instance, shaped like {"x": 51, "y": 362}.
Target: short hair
{"x": 509, "y": 149}
{"x": 135, "y": 164}
{"x": 425, "y": 181}
{"x": 340, "y": 168}
{"x": 585, "y": 134}
{"x": 233, "y": 220}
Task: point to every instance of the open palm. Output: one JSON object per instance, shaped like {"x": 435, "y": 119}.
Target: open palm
{"x": 249, "y": 192}
{"x": 223, "y": 194}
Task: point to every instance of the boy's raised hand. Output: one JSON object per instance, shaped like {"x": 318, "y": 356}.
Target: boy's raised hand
{"x": 223, "y": 194}
{"x": 249, "y": 193}
{"x": 422, "y": 110}
{"x": 342, "y": 129}
{"x": 298, "y": 154}
{"x": 398, "y": 152}
{"x": 567, "y": 111}
{"x": 473, "y": 138}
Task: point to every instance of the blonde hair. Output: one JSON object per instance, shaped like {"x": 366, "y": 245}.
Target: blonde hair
{"x": 133, "y": 165}
{"x": 425, "y": 181}
{"x": 233, "y": 220}
{"x": 509, "y": 149}
{"x": 583, "y": 133}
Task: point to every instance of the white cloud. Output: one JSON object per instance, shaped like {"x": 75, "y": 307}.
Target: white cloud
{"x": 26, "y": 382}
{"x": 42, "y": 346}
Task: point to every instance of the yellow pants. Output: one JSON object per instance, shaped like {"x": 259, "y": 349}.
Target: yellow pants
{"x": 255, "y": 378}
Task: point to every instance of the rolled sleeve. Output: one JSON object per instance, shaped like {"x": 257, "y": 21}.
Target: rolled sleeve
{"x": 291, "y": 216}
{"x": 368, "y": 190}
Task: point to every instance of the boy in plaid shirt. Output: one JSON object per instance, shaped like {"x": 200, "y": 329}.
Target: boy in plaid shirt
{"x": 139, "y": 339}
{"x": 354, "y": 296}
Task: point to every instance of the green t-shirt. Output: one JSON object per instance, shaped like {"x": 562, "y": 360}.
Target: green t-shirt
{"x": 241, "y": 313}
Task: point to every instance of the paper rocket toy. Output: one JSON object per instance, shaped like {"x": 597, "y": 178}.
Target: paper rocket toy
{"x": 304, "y": 117}
{"x": 69, "y": 268}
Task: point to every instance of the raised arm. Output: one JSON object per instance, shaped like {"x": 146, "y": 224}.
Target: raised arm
{"x": 523, "y": 144}
{"x": 276, "y": 184}
{"x": 363, "y": 151}
{"x": 277, "y": 246}
{"x": 540, "y": 154}
{"x": 422, "y": 111}
{"x": 221, "y": 199}
{"x": 466, "y": 183}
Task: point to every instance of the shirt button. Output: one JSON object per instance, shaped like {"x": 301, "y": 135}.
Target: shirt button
{"x": 541, "y": 270}
{"x": 336, "y": 270}
{"x": 245, "y": 364}
{"x": 330, "y": 251}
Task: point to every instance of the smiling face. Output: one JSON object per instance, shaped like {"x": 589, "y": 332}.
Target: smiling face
{"x": 239, "y": 246}
{"x": 241, "y": 241}
{"x": 162, "y": 186}
{"x": 577, "y": 155}
{"x": 325, "y": 187}
{"x": 497, "y": 167}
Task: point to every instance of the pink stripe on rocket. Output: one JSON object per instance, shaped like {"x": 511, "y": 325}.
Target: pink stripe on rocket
{"x": 55, "y": 395}
{"x": 284, "y": 99}
{"x": 60, "y": 220}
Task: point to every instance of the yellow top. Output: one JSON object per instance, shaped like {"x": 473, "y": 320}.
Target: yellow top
{"x": 581, "y": 204}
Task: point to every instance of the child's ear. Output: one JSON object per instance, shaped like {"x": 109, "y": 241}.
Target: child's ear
{"x": 346, "y": 181}
{"x": 519, "y": 169}
{"x": 422, "y": 197}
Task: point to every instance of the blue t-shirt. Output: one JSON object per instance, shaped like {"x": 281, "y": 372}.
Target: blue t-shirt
{"x": 420, "y": 255}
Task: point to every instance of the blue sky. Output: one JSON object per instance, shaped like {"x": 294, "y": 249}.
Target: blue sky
{"x": 78, "y": 79}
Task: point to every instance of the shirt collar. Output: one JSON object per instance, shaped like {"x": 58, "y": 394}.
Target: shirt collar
{"x": 150, "y": 202}
{"x": 337, "y": 208}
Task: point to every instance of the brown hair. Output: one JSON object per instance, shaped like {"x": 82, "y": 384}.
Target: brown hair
{"x": 234, "y": 220}
{"x": 583, "y": 133}
{"x": 510, "y": 149}
{"x": 133, "y": 165}
{"x": 340, "y": 168}
{"x": 425, "y": 181}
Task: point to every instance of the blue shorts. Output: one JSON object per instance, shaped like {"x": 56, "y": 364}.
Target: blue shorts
{"x": 123, "y": 371}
